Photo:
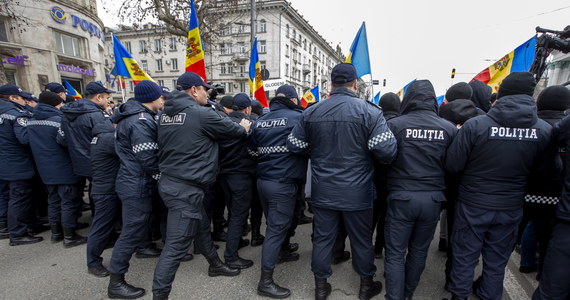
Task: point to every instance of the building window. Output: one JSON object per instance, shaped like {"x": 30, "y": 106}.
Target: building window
{"x": 226, "y": 30}
{"x": 294, "y": 33}
{"x": 11, "y": 77}
{"x": 230, "y": 68}
{"x": 128, "y": 46}
{"x": 172, "y": 44}
{"x": 131, "y": 86}
{"x": 67, "y": 44}
{"x": 286, "y": 70}
{"x": 174, "y": 63}
{"x": 229, "y": 88}
{"x": 174, "y": 84}
{"x": 223, "y": 69}
{"x": 262, "y": 47}
{"x": 262, "y": 26}
{"x": 161, "y": 82}
{"x": 242, "y": 68}
{"x": 241, "y": 47}
{"x": 3, "y": 32}
{"x": 287, "y": 30}
{"x": 262, "y": 64}
{"x": 142, "y": 46}
{"x": 241, "y": 28}
{"x": 157, "y": 45}
{"x": 144, "y": 64}
{"x": 242, "y": 87}
{"x": 159, "y": 65}
{"x": 286, "y": 50}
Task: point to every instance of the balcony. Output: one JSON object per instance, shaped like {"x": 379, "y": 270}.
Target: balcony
{"x": 306, "y": 69}
{"x": 240, "y": 57}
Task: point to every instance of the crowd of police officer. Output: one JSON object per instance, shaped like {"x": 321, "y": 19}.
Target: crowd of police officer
{"x": 165, "y": 165}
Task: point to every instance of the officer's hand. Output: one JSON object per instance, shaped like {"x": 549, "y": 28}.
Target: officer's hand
{"x": 245, "y": 123}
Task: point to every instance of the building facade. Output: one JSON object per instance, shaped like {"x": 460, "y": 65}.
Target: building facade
{"x": 559, "y": 68}
{"x": 60, "y": 40}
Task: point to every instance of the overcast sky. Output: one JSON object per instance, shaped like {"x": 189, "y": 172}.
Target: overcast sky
{"x": 426, "y": 39}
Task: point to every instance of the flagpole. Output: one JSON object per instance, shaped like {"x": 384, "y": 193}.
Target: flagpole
{"x": 123, "y": 92}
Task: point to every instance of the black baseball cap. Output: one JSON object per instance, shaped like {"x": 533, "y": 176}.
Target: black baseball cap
{"x": 55, "y": 87}
{"x": 11, "y": 89}
{"x": 190, "y": 79}
{"x": 96, "y": 87}
{"x": 343, "y": 73}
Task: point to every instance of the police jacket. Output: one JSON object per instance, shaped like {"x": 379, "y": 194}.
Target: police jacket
{"x": 269, "y": 144}
{"x": 342, "y": 135}
{"x": 423, "y": 138}
{"x": 78, "y": 120}
{"x": 15, "y": 153}
{"x": 561, "y": 135}
{"x": 495, "y": 153}
{"x": 104, "y": 159}
{"x": 137, "y": 149}
{"x": 52, "y": 159}
{"x": 187, "y": 135}
{"x": 234, "y": 157}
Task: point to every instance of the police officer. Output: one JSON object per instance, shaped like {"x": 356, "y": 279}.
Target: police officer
{"x": 416, "y": 181}
{"x": 105, "y": 166}
{"x": 188, "y": 160}
{"x": 137, "y": 149}
{"x": 280, "y": 174}
{"x": 343, "y": 134}
{"x": 65, "y": 189}
{"x": 56, "y": 88}
{"x": 494, "y": 154}
{"x": 18, "y": 168}
{"x": 236, "y": 179}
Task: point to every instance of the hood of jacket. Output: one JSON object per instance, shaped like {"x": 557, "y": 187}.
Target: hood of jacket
{"x": 128, "y": 109}
{"x": 420, "y": 95}
{"x": 178, "y": 101}
{"x": 103, "y": 127}
{"x": 514, "y": 111}
{"x": 45, "y": 111}
{"x": 74, "y": 109}
{"x": 481, "y": 95}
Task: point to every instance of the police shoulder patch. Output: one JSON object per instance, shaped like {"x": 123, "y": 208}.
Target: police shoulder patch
{"x": 22, "y": 121}
{"x": 272, "y": 123}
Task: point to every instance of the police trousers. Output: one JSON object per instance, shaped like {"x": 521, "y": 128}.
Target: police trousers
{"x": 107, "y": 213}
{"x": 19, "y": 207}
{"x": 237, "y": 191}
{"x": 64, "y": 203}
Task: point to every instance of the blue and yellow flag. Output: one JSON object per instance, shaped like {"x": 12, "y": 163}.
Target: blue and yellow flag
{"x": 311, "y": 96}
{"x": 358, "y": 54}
{"x": 126, "y": 65}
{"x": 255, "y": 81}
{"x": 376, "y": 99}
{"x": 71, "y": 91}
{"x": 402, "y": 92}
{"x": 194, "y": 48}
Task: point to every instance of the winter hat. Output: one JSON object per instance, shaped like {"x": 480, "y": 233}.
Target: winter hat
{"x": 241, "y": 101}
{"x": 460, "y": 90}
{"x": 50, "y": 98}
{"x": 458, "y": 111}
{"x": 390, "y": 102}
{"x": 227, "y": 101}
{"x": 556, "y": 97}
{"x": 147, "y": 91}
{"x": 517, "y": 83}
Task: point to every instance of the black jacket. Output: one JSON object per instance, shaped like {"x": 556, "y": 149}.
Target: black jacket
{"x": 234, "y": 157}
{"x": 343, "y": 134}
{"x": 52, "y": 159}
{"x": 269, "y": 144}
{"x": 561, "y": 135}
{"x": 15, "y": 153}
{"x": 78, "y": 120}
{"x": 137, "y": 148}
{"x": 104, "y": 159}
{"x": 494, "y": 154}
{"x": 423, "y": 138}
{"x": 187, "y": 135}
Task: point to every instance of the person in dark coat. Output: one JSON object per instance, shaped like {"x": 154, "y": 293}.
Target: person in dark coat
{"x": 481, "y": 95}
{"x": 390, "y": 104}
{"x": 460, "y": 90}
{"x": 343, "y": 135}
{"x": 416, "y": 181}
{"x": 65, "y": 189}
{"x": 494, "y": 154}
{"x": 18, "y": 167}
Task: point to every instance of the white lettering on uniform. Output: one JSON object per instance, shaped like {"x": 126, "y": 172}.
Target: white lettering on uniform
{"x": 425, "y": 134}
{"x": 177, "y": 119}
{"x": 514, "y": 134}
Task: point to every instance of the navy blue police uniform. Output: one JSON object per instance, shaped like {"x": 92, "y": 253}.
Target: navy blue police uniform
{"x": 415, "y": 181}
{"x": 493, "y": 154}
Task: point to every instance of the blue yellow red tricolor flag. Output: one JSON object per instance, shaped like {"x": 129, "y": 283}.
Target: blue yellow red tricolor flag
{"x": 311, "y": 96}
{"x": 126, "y": 65}
{"x": 358, "y": 53}
{"x": 194, "y": 48}
{"x": 402, "y": 92}
{"x": 518, "y": 60}
{"x": 71, "y": 91}
{"x": 255, "y": 81}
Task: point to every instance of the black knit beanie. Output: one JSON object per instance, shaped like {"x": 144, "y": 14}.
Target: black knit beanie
{"x": 50, "y": 98}
{"x": 390, "y": 102}
{"x": 460, "y": 90}
{"x": 517, "y": 83}
{"x": 556, "y": 97}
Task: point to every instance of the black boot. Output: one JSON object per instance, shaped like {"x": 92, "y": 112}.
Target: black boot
{"x": 72, "y": 239}
{"x": 256, "y": 237}
{"x": 56, "y": 233}
{"x": 4, "y": 234}
{"x": 159, "y": 296}
{"x": 322, "y": 289}
{"x": 268, "y": 288}
{"x": 369, "y": 288}
{"x": 148, "y": 252}
{"x": 239, "y": 263}
{"x": 120, "y": 289}
{"x": 285, "y": 256}
{"x": 218, "y": 268}
{"x": 25, "y": 240}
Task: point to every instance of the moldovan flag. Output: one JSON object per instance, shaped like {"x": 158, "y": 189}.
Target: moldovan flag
{"x": 126, "y": 65}
{"x": 71, "y": 91}
{"x": 402, "y": 92}
{"x": 194, "y": 47}
{"x": 310, "y": 96}
{"x": 518, "y": 60}
{"x": 255, "y": 81}
{"x": 358, "y": 53}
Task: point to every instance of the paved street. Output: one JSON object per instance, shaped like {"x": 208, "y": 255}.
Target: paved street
{"x": 48, "y": 271}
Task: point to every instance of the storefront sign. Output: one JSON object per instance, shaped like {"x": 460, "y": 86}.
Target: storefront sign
{"x": 273, "y": 84}
{"x": 76, "y": 69}
{"x": 17, "y": 60}
{"x": 59, "y": 15}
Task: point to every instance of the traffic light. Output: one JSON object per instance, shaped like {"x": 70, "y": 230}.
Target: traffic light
{"x": 384, "y": 82}
{"x": 452, "y": 73}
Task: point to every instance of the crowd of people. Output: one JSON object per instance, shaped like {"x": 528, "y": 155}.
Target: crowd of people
{"x": 177, "y": 167}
